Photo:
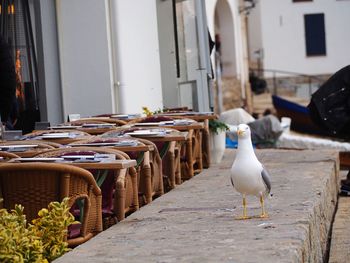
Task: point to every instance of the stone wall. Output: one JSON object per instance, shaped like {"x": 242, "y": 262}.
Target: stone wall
{"x": 231, "y": 93}
{"x": 195, "y": 222}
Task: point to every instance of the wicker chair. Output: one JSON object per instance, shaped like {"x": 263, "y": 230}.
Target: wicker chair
{"x": 105, "y": 115}
{"x": 104, "y": 120}
{"x": 156, "y": 185}
{"x": 119, "y": 189}
{"x": 78, "y": 135}
{"x": 191, "y": 164}
{"x": 151, "y": 179}
{"x": 7, "y": 156}
{"x": 177, "y": 109}
{"x": 145, "y": 166}
{"x": 114, "y": 116}
{"x": 35, "y": 185}
{"x": 204, "y": 162}
{"x": 93, "y": 130}
{"x": 41, "y": 132}
{"x": 180, "y": 161}
{"x": 41, "y": 146}
{"x": 53, "y": 144}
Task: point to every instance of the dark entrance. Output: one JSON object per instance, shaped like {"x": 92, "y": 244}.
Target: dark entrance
{"x": 16, "y": 28}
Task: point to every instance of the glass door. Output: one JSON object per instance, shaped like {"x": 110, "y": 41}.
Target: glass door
{"x": 16, "y": 28}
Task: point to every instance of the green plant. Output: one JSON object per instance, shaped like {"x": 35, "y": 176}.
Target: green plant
{"x": 216, "y": 126}
{"x": 17, "y": 242}
{"x": 148, "y": 112}
{"x": 42, "y": 241}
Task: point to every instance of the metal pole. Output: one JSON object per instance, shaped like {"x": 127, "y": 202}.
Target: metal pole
{"x": 219, "y": 99}
{"x": 310, "y": 88}
{"x": 204, "y": 57}
{"x": 274, "y": 84}
{"x": 176, "y": 38}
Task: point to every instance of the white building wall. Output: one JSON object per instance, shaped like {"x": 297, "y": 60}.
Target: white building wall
{"x": 240, "y": 67}
{"x": 283, "y": 36}
{"x": 86, "y": 72}
{"x": 254, "y": 32}
{"x": 240, "y": 45}
{"x": 210, "y": 10}
{"x": 167, "y": 53}
{"x": 227, "y": 38}
{"x": 50, "y": 99}
{"x": 237, "y": 55}
{"x": 136, "y": 46}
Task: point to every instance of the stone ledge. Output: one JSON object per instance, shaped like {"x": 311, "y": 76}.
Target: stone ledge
{"x": 195, "y": 222}
{"x": 340, "y": 245}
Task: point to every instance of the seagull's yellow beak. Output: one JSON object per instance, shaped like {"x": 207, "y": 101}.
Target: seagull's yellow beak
{"x": 240, "y": 132}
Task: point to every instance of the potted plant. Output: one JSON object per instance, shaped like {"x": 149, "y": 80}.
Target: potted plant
{"x": 217, "y": 140}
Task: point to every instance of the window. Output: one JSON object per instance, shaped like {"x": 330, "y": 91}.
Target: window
{"x": 315, "y": 35}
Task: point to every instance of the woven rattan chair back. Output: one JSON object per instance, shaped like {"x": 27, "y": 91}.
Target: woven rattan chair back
{"x": 156, "y": 184}
{"x": 74, "y": 135}
{"x": 103, "y": 120}
{"x": 7, "y": 156}
{"x": 93, "y": 130}
{"x": 125, "y": 198}
{"x": 38, "y": 133}
{"x": 35, "y": 185}
{"x": 39, "y": 147}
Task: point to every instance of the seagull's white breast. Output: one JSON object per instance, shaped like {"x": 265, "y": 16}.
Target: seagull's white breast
{"x": 246, "y": 176}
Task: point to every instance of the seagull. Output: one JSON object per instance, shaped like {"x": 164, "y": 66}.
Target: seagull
{"x": 248, "y": 175}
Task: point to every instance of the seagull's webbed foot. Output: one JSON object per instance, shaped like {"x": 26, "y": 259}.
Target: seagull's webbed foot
{"x": 243, "y": 217}
{"x": 265, "y": 215}
{"x": 262, "y": 216}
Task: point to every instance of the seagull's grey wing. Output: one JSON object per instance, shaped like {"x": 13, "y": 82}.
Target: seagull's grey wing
{"x": 266, "y": 178}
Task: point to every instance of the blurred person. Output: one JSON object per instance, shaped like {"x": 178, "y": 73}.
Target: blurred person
{"x": 330, "y": 104}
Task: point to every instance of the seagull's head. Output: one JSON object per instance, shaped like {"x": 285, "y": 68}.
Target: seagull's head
{"x": 243, "y": 131}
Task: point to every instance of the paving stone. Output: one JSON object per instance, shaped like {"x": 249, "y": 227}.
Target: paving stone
{"x": 195, "y": 222}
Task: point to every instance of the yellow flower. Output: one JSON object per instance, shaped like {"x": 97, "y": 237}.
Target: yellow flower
{"x": 43, "y": 212}
{"x": 146, "y": 111}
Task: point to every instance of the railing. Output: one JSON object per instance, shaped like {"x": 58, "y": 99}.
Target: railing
{"x": 296, "y": 80}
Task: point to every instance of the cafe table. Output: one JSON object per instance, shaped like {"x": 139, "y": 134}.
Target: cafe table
{"x": 170, "y": 151}
{"x": 165, "y": 139}
{"x": 27, "y": 148}
{"x": 138, "y": 151}
{"x": 94, "y": 126}
{"x": 192, "y": 150}
{"x": 96, "y": 129}
{"x": 62, "y": 136}
{"x": 89, "y": 128}
{"x": 118, "y": 117}
{"x": 104, "y": 163}
{"x": 203, "y": 117}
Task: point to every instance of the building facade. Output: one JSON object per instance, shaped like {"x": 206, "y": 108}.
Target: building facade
{"x": 301, "y": 36}
{"x": 116, "y": 56}
{"x": 227, "y": 22}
